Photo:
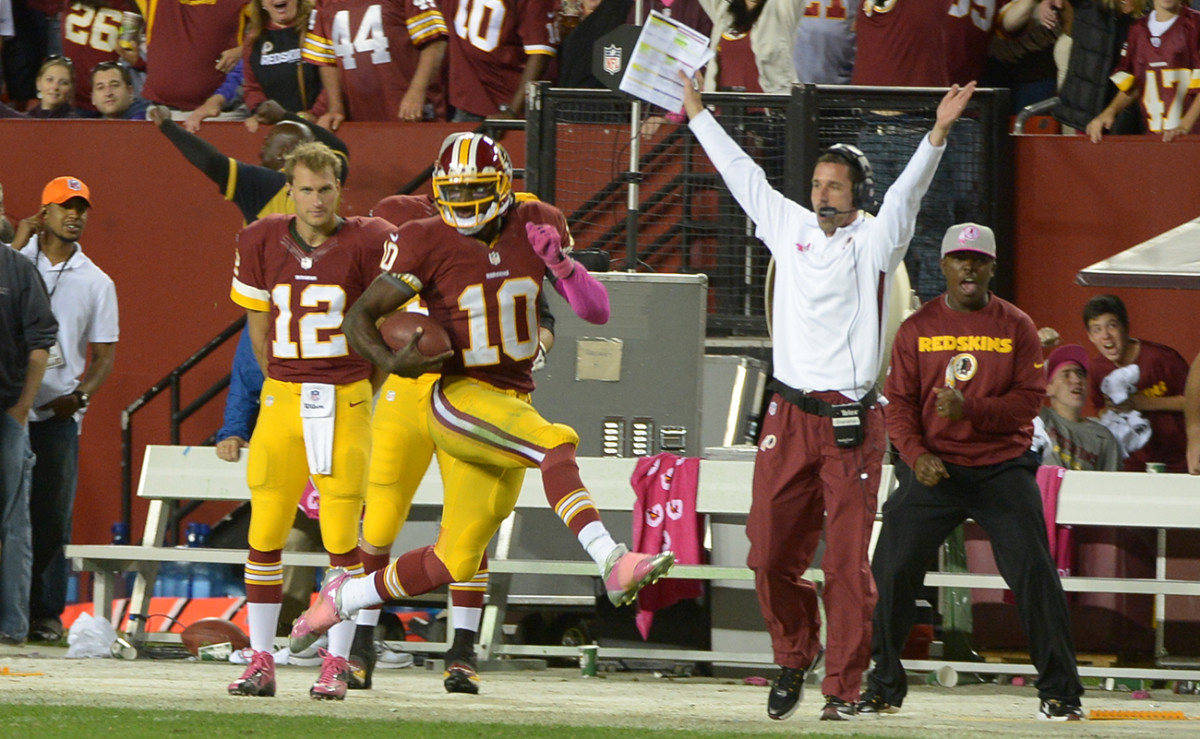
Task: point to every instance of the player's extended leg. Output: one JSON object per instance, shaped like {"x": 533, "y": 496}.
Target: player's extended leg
{"x": 342, "y": 494}
{"x": 477, "y": 422}
{"x": 400, "y": 453}
{"x": 276, "y": 472}
{"x": 478, "y": 499}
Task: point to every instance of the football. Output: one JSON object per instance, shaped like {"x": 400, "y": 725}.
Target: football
{"x": 398, "y": 328}
{"x": 208, "y": 631}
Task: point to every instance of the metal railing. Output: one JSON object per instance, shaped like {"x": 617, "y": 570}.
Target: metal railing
{"x": 177, "y": 415}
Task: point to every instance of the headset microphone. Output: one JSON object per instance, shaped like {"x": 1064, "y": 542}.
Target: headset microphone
{"x": 829, "y": 211}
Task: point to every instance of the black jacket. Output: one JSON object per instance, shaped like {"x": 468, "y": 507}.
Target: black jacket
{"x": 1097, "y": 37}
{"x": 26, "y": 322}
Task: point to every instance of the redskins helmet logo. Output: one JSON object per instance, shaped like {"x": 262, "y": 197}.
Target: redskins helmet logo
{"x": 768, "y": 443}
{"x": 654, "y": 516}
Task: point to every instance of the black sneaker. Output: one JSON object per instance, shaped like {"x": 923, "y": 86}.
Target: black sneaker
{"x": 362, "y": 658}
{"x": 788, "y": 689}
{"x": 872, "y": 705}
{"x": 1052, "y": 709}
{"x": 459, "y": 675}
{"x": 46, "y": 630}
{"x": 837, "y": 709}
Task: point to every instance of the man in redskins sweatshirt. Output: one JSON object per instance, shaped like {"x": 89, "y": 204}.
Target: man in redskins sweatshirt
{"x": 965, "y": 383}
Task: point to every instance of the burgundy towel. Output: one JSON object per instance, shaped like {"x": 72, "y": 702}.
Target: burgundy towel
{"x": 665, "y": 517}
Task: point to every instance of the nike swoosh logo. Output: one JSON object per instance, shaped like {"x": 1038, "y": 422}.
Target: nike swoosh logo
{"x": 1036, "y": 365}
{"x": 358, "y": 402}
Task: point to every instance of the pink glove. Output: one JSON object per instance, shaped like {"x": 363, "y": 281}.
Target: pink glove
{"x": 548, "y": 244}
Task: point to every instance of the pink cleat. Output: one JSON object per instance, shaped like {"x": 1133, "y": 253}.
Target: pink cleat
{"x": 331, "y": 684}
{"x": 326, "y": 612}
{"x": 625, "y": 572}
{"x": 258, "y": 679}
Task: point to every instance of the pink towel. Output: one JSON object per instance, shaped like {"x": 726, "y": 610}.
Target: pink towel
{"x": 665, "y": 517}
{"x": 1061, "y": 538}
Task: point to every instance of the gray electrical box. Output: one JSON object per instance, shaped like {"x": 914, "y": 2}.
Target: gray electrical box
{"x": 634, "y": 386}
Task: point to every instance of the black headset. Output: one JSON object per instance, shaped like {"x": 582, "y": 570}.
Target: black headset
{"x": 864, "y": 184}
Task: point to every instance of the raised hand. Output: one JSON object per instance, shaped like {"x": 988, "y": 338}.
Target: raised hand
{"x": 949, "y": 109}
{"x": 547, "y": 243}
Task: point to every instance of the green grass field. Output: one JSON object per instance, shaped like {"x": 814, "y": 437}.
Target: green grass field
{"x": 68, "y": 722}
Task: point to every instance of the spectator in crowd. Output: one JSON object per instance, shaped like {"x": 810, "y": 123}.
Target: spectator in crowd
{"x": 1098, "y": 30}
{"x": 1151, "y": 381}
{"x": 1067, "y": 438}
{"x": 112, "y": 93}
{"x": 404, "y": 82}
{"x": 55, "y": 89}
{"x": 33, "y": 38}
{"x": 84, "y": 301}
{"x": 1159, "y": 46}
{"x": 90, "y": 32}
{"x": 826, "y": 42}
{"x": 809, "y": 474}
{"x": 223, "y": 104}
{"x": 924, "y": 43}
{"x": 1191, "y": 412}
{"x": 331, "y": 428}
{"x": 753, "y": 40}
{"x": 496, "y": 49}
{"x": 186, "y": 45}
{"x": 272, "y": 68}
{"x": 688, "y": 12}
{"x": 962, "y": 424}
{"x": 1021, "y": 57}
{"x": 256, "y": 190}
{"x": 27, "y": 332}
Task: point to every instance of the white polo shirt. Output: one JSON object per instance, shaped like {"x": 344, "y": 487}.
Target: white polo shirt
{"x": 84, "y": 301}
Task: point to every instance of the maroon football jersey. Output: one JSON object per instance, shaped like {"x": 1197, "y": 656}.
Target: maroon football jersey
{"x": 485, "y": 296}
{"x": 400, "y": 209}
{"x": 376, "y": 44}
{"x": 1165, "y": 69}
{"x": 489, "y": 41}
{"x": 923, "y": 43}
{"x": 89, "y": 37}
{"x": 183, "y": 41}
{"x": 308, "y": 292}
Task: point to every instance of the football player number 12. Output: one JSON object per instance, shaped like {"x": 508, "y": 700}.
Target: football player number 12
{"x": 310, "y": 345}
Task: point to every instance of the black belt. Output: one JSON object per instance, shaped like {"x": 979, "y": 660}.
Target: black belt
{"x": 815, "y": 406}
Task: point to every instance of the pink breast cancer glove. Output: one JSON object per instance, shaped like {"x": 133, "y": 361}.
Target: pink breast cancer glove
{"x": 548, "y": 244}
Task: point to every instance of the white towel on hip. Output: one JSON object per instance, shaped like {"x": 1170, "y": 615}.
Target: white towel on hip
{"x": 318, "y": 401}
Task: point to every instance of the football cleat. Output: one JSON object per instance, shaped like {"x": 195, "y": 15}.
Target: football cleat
{"x": 331, "y": 683}
{"x": 460, "y": 675}
{"x": 322, "y": 614}
{"x": 625, "y": 572}
{"x": 258, "y": 679}
{"x": 362, "y": 658}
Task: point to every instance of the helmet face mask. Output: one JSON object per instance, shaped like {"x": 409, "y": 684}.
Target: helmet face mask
{"x": 472, "y": 182}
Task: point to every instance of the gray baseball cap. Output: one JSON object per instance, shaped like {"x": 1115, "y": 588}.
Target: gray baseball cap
{"x": 969, "y": 237}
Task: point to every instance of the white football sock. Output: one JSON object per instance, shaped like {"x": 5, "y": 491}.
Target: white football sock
{"x": 598, "y": 542}
{"x": 341, "y": 636}
{"x": 359, "y": 593}
{"x": 465, "y": 618}
{"x": 368, "y": 617}
{"x": 264, "y": 620}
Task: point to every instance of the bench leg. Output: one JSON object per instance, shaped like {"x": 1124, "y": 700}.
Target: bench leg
{"x": 139, "y": 602}
{"x": 491, "y": 627}
{"x": 104, "y": 589}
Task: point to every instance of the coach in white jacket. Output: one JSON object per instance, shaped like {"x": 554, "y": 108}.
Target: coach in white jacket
{"x": 821, "y": 446}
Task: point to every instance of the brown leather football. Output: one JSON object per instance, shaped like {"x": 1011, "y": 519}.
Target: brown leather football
{"x": 397, "y": 330}
{"x": 213, "y": 631}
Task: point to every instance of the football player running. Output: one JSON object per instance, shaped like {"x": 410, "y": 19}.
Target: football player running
{"x": 480, "y": 271}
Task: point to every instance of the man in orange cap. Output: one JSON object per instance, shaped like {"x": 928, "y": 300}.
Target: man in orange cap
{"x": 84, "y": 301}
